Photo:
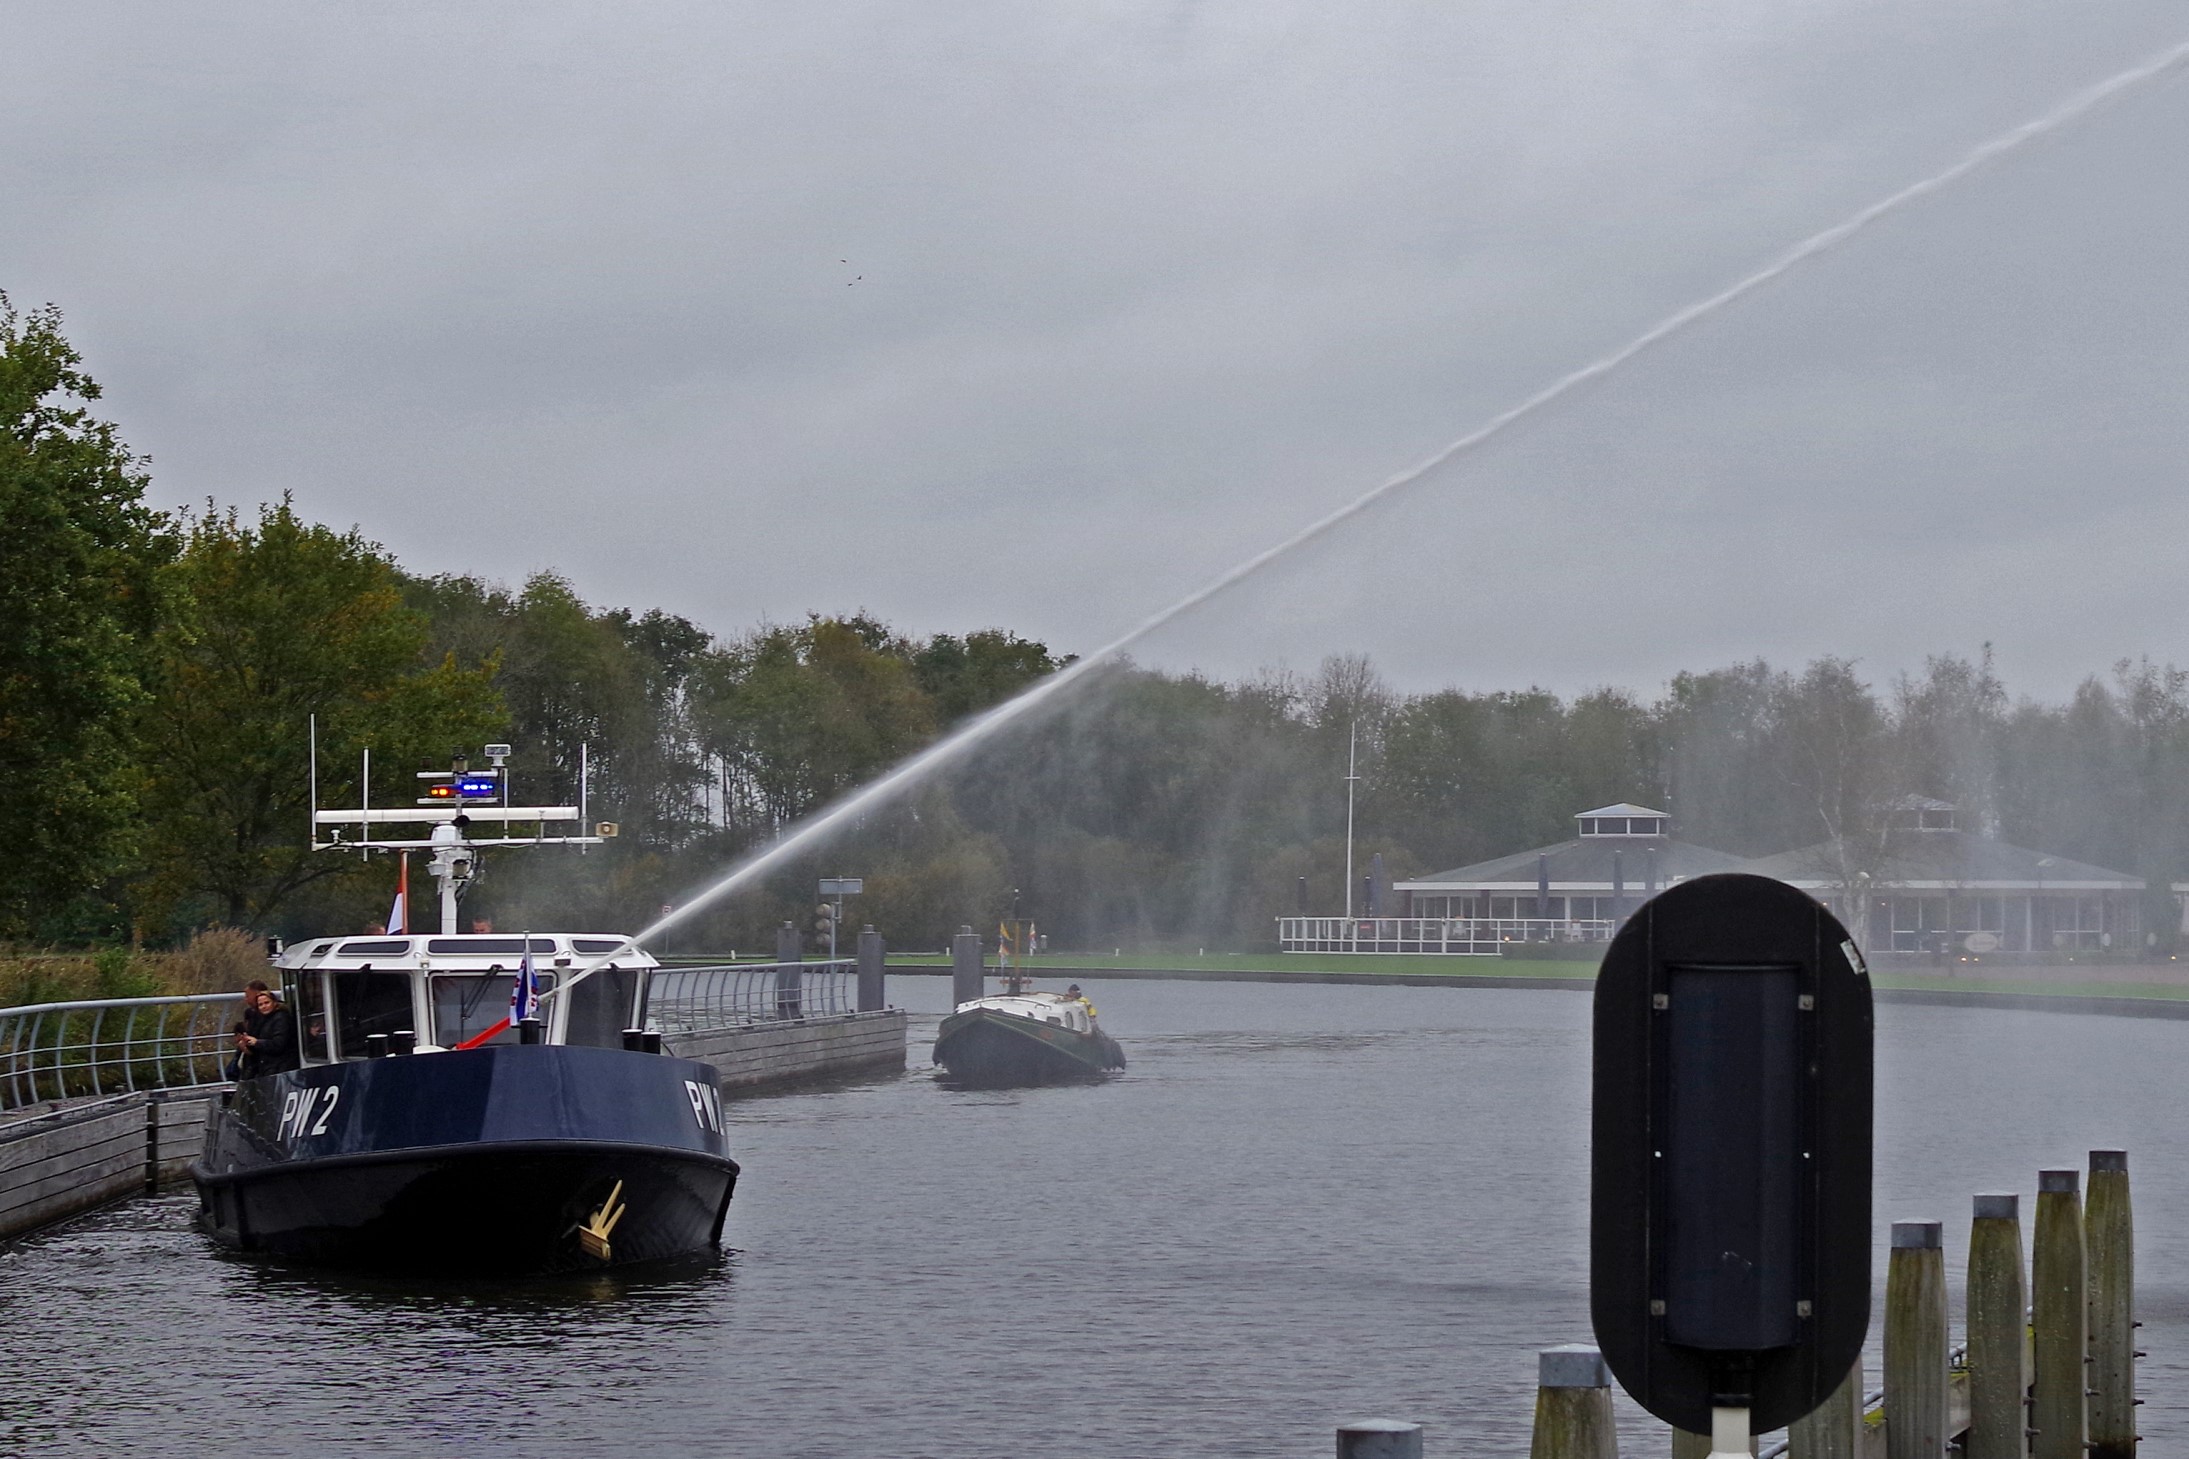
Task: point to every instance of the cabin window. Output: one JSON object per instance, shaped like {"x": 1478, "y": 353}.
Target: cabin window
{"x": 365, "y": 1003}
{"x": 310, "y": 1003}
{"x": 487, "y": 946}
{"x": 466, "y": 1005}
{"x": 373, "y": 949}
{"x": 602, "y": 1007}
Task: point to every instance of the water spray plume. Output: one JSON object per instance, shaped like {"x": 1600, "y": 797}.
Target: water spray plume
{"x": 958, "y": 743}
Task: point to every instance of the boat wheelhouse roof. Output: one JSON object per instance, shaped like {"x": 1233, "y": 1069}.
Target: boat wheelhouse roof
{"x": 451, "y": 951}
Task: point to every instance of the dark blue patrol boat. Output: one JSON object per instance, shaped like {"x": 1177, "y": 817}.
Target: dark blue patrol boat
{"x": 442, "y": 1120}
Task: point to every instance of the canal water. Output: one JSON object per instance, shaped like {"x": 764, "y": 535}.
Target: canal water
{"x": 1300, "y": 1205}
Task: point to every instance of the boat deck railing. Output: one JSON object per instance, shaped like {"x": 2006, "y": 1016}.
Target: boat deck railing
{"x": 736, "y": 995}
{"x": 55, "y": 1051}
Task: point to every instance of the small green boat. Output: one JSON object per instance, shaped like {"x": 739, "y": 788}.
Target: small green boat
{"x": 1021, "y": 1037}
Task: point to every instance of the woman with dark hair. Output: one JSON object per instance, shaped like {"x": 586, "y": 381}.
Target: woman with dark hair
{"x": 268, "y": 1041}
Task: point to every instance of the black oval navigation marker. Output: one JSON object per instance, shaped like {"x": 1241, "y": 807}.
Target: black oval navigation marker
{"x": 1729, "y": 1242}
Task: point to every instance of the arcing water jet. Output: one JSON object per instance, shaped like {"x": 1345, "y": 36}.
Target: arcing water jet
{"x": 960, "y": 742}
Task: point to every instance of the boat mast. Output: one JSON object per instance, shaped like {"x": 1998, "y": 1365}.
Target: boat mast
{"x": 451, "y": 868}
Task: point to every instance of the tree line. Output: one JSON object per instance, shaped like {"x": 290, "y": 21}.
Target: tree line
{"x": 159, "y": 672}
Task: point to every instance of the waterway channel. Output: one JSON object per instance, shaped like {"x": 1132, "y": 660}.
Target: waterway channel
{"x": 1299, "y": 1205}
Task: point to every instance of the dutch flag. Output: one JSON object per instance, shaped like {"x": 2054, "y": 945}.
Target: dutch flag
{"x": 524, "y": 998}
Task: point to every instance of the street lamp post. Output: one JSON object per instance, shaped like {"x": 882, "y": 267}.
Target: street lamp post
{"x": 1352, "y": 777}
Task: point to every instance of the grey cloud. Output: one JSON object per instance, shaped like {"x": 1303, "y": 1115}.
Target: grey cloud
{"x": 1134, "y": 290}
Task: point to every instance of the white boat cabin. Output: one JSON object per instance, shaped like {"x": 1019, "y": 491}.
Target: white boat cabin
{"x": 1041, "y": 1007}
{"x": 449, "y": 989}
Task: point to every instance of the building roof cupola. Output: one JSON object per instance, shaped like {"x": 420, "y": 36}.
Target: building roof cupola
{"x": 1921, "y": 813}
{"x": 1624, "y": 819}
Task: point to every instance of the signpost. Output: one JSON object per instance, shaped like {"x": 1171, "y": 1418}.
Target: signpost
{"x": 835, "y": 889}
{"x": 1729, "y": 1244}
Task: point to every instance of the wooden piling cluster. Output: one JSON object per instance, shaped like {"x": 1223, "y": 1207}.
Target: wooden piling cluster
{"x": 2048, "y": 1371}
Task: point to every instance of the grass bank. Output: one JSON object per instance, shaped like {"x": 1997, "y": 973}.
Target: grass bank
{"x": 221, "y": 960}
{"x": 2076, "y": 981}
{"x": 1216, "y": 964}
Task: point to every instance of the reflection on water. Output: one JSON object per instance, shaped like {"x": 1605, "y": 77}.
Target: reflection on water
{"x": 1299, "y": 1205}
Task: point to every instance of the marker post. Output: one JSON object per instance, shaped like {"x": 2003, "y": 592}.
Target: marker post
{"x": 1729, "y": 1248}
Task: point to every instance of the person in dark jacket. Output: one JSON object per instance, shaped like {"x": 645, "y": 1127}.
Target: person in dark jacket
{"x": 268, "y": 1040}
{"x": 233, "y": 1067}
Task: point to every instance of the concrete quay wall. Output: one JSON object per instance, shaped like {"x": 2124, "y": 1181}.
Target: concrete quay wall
{"x": 794, "y": 1049}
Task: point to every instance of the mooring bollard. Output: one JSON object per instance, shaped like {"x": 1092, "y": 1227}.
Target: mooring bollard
{"x": 1915, "y": 1343}
{"x": 872, "y": 970}
{"x": 1379, "y": 1438}
{"x": 1573, "y": 1405}
{"x": 2057, "y": 1346}
{"x": 965, "y": 968}
{"x": 1833, "y": 1430}
{"x": 790, "y": 980}
{"x": 2109, "y": 1241}
{"x": 1998, "y": 1304}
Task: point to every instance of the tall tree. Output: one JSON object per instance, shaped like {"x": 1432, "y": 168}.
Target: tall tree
{"x": 1948, "y": 725}
{"x": 79, "y": 600}
{"x": 275, "y": 621}
{"x": 797, "y": 716}
{"x": 592, "y": 696}
{"x": 963, "y": 676}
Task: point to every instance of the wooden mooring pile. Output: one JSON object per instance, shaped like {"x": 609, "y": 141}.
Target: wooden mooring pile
{"x": 2047, "y": 1369}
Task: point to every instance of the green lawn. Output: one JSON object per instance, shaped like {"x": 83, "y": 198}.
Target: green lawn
{"x": 1460, "y": 969}
{"x": 1933, "y": 983}
{"x": 1273, "y": 962}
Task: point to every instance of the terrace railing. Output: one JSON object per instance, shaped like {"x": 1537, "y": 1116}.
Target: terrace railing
{"x": 734, "y": 995}
{"x": 1458, "y": 936}
{"x": 54, "y": 1051}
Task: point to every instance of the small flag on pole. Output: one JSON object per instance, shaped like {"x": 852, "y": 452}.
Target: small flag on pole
{"x": 524, "y": 999}
{"x": 399, "y": 914}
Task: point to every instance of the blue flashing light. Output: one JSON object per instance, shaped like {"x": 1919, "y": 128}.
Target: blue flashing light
{"x": 478, "y": 787}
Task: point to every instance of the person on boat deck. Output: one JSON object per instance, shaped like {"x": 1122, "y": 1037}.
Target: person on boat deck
{"x": 1084, "y": 1001}
{"x": 233, "y": 1069}
{"x": 269, "y": 1045}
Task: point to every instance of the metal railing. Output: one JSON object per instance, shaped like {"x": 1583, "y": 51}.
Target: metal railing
{"x": 1460, "y": 936}
{"x": 53, "y": 1051}
{"x": 691, "y": 1000}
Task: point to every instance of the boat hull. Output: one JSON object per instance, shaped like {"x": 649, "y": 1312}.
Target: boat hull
{"x": 489, "y": 1161}
{"x": 986, "y": 1046}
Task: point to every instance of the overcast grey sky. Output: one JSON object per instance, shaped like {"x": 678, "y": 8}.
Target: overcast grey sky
{"x": 1038, "y": 316}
